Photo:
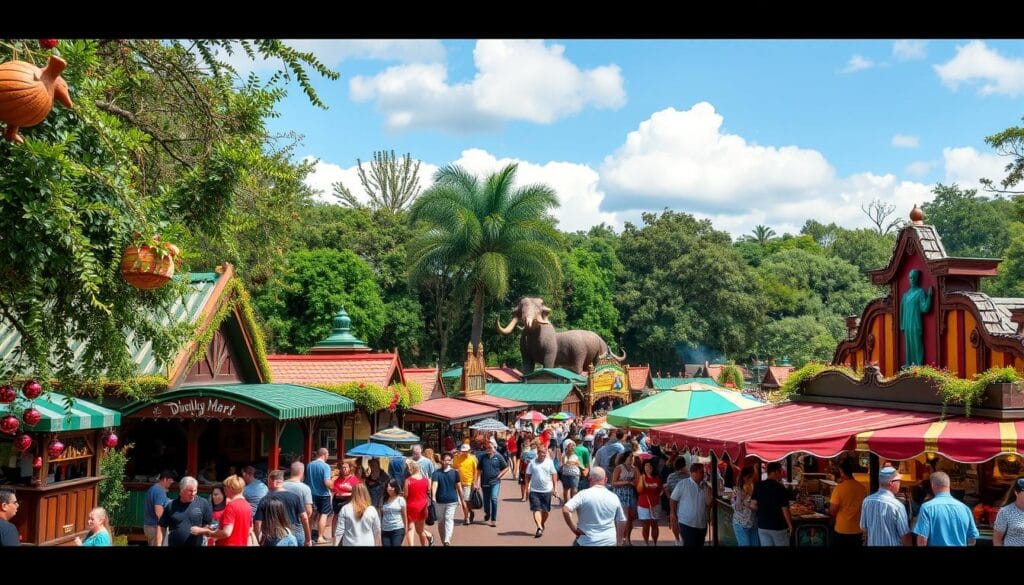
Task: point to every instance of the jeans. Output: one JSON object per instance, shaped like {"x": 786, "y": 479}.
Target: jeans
{"x": 392, "y": 537}
{"x": 773, "y": 537}
{"x": 491, "y": 501}
{"x": 746, "y": 536}
{"x": 446, "y": 520}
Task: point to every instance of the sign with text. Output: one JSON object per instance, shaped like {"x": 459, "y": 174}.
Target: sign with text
{"x": 609, "y": 378}
{"x": 199, "y": 407}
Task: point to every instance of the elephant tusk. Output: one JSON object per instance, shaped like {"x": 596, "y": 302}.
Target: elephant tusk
{"x": 622, "y": 359}
{"x": 543, "y": 320}
{"x": 508, "y": 328}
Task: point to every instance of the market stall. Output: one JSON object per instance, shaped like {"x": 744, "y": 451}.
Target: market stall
{"x": 59, "y": 472}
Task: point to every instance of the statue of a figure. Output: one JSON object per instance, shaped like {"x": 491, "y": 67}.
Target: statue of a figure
{"x": 914, "y": 303}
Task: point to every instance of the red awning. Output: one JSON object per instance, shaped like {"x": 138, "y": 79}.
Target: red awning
{"x": 452, "y": 410}
{"x": 960, "y": 439}
{"x": 502, "y": 404}
{"x": 772, "y": 432}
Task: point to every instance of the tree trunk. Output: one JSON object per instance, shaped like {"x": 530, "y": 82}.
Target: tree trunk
{"x": 478, "y": 317}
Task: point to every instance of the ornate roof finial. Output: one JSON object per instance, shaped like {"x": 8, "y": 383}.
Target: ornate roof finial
{"x": 916, "y": 215}
{"x": 341, "y": 339}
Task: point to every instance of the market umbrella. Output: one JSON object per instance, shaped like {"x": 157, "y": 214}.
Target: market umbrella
{"x": 533, "y": 416}
{"x": 489, "y": 425}
{"x": 562, "y": 416}
{"x": 372, "y": 450}
{"x": 394, "y": 435}
{"x": 684, "y": 402}
{"x": 594, "y": 423}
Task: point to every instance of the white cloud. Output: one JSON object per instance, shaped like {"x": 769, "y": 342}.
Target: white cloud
{"x": 326, "y": 174}
{"x": 907, "y": 50}
{"x": 682, "y": 160}
{"x": 965, "y": 165}
{"x": 920, "y": 168}
{"x": 331, "y": 52}
{"x": 515, "y": 80}
{"x": 904, "y": 141}
{"x": 977, "y": 63}
{"x": 858, "y": 63}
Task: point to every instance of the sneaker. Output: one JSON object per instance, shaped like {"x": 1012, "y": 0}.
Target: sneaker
{"x": 494, "y": 524}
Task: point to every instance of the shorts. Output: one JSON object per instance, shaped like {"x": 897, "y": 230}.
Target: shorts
{"x": 540, "y": 501}
{"x": 339, "y": 502}
{"x": 648, "y": 513}
{"x": 322, "y": 504}
{"x": 570, "y": 482}
{"x": 467, "y": 492}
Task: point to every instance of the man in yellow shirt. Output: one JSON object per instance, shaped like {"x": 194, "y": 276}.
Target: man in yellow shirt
{"x": 847, "y": 498}
{"x": 466, "y": 464}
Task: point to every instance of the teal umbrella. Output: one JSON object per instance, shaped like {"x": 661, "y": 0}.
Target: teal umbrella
{"x": 684, "y": 402}
{"x": 562, "y": 416}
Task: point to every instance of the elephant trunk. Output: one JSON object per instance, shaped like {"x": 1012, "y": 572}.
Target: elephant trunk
{"x": 508, "y": 328}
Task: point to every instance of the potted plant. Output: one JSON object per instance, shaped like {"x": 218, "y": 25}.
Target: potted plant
{"x": 149, "y": 263}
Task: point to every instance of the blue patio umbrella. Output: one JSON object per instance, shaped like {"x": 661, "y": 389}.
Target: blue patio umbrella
{"x": 372, "y": 450}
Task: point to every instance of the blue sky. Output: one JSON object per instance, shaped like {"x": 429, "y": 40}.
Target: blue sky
{"x": 740, "y": 132}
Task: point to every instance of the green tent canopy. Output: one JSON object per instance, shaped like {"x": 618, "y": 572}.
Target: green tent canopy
{"x": 684, "y": 402}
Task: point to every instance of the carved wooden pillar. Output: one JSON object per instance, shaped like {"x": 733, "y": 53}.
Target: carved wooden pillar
{"x": 274, "y": 461}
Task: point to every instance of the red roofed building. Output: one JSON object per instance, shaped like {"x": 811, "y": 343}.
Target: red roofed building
{"x": 429, "y": 379}
{"x": 639, "y": 378}
{"x": 775, "y": 377}
{"x": 505, "y": 375}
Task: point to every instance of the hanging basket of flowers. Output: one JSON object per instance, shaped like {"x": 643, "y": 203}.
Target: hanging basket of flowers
{"x": 149, "y": 265}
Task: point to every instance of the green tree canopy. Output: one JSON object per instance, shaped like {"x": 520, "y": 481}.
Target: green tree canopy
{"x": 801, "y": 339}
{"x": 970, "y": 225}
{"x": 299, "y": 304}
{"x": 684, "y": 284}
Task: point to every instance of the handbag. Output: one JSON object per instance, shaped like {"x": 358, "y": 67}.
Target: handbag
{"x": 476, "y": 499}
{"x": 431, "y": 513}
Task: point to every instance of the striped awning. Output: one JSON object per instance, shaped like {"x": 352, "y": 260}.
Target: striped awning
{"x": 773, "y": 432}
{"x": 56, "y": 417}
{"x": 965, "y": 440}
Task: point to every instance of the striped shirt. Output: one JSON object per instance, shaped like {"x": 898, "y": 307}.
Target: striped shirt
{"x": 884, "y": 519}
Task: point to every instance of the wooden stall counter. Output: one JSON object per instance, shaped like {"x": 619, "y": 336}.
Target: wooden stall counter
{"x": 55, "y": 513}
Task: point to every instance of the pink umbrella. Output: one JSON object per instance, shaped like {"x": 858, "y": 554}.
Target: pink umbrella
{"x": 533, "y": 416}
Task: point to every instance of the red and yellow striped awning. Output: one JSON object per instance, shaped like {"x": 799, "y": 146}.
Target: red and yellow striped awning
{"x": 960, "y": 439}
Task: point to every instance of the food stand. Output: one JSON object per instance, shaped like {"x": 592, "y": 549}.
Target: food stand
{"x": 60, "y": 471}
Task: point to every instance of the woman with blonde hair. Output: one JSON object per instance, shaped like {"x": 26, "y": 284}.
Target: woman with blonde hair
{"x": 432, "y": 457}
{"x": 99, "y": 529}
{"x": 236, "y": 522}
{"x": 358, "y": 521}
{"x": 417, "y": 499}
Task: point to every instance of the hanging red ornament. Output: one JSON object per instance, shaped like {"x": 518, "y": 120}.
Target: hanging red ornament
{"x": 9, "y": 424}
{"x": 31, "y": 389}
{"x": 31, "y": 417}
{"x": 56, "y": 449}
{"x": 37, "y": 463}
{"x": 47, "y": 43}
{"x": 7, "y": 394}
{"x": 22, "y": 443}
{"x": 110, "y": 441}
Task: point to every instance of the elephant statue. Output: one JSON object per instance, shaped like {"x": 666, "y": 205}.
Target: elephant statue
{"x": 540, "y": 343}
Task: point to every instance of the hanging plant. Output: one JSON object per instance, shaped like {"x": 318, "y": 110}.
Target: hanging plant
{"x": 27, "y": 93}
{"x": 731, "y": 373}
{"x": 149, "y": 263}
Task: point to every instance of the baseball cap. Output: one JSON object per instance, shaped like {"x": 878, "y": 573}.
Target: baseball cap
{"x": 464, "y": 448}
{"x": 887, "y": 474}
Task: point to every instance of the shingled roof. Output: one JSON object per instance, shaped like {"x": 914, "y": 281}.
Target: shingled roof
{"x": 376, "y": 368}
{"x": 429, "y": 379}
{"x": 639, "y": 377}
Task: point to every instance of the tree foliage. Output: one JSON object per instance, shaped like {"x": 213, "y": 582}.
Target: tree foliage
{"x": 391, "y": 184}
{"x": 299, "y": 304}
{"x": 684, "y": 285}
{"x": 490, "y": 230}
{"x": 971, "y": 225}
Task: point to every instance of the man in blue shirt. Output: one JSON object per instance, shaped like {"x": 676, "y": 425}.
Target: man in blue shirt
{"x": 943, "y": 520}
{"x": 318, "y": 476}
{"x": 254, "y": 488}
{"x": 156, "y": 501}
{"x": 491, "y": 468}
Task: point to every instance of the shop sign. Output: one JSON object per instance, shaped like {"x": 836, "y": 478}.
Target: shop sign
{"x": 208, "y": 407}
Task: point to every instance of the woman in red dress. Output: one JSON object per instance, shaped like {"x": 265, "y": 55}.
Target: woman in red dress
{"x": 648, "y": 501}
{"x": 416, "y": 501}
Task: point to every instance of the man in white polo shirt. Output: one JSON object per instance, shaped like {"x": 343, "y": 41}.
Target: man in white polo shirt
{"x": 600, "y": 513}
{"x": 689, "y": 505}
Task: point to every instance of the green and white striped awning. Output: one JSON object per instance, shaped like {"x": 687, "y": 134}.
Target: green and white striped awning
{"x": 56, "y": 417}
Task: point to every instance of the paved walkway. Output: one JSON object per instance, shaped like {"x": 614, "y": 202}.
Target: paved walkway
{"x": 515, "y": 525}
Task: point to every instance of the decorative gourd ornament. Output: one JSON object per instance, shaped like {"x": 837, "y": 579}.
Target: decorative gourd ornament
{"x": 27, "y": 93}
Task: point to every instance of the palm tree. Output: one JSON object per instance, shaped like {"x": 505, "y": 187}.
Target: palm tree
{"x": 763, "y": 234}
{"x": 487, "y": 230}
